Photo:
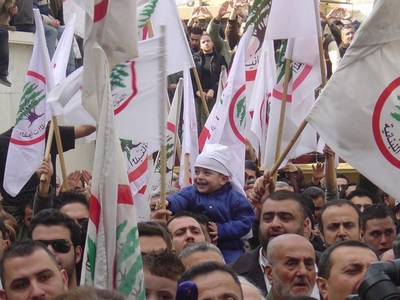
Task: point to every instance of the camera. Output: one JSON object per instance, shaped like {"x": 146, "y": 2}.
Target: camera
{"x": 380, "y": 282}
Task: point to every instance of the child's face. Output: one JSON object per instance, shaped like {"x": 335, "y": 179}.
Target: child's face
{"x": 207, "y": 181}
{"x": 159, "y": 287}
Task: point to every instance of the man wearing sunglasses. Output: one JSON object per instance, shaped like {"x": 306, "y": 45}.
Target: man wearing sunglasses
{"x": 62, "y": 236}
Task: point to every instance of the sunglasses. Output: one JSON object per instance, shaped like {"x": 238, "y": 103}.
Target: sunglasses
{"x": 60, "y": 245}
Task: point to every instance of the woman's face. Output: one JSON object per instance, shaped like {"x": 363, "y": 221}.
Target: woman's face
{"x": 206, "y": 44}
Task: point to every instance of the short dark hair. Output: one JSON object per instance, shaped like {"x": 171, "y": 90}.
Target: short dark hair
{"x": 70, "y": 197}
{"x": 314, "y": 192}
{"x": 155, "y": 229}
{"x": 341, "y": 175}
{"x": 360, "y": 193}
{"x": 376, "y": 211}
{"x": 195, "y": 31}
{"x": 163, "y": 263}
{"x": 181, "y": 214}
{"x": 251, "y": 165}
{"x": 26, "y": 200}
{"x": 284, "y": 195}
{"x": 337, "y": 22}
{"x": 338, "y": 203}
{"x": 325, "y": 261}
{"x": 396, "y": 247}
{"x": 21, "y": 249}
{"x": 209, "y": 267}
{"x": 53, "y": 217}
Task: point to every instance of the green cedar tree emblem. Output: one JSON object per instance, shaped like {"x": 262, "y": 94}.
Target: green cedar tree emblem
{"x": 117, "y": 76}
{"x": 30, "y": 99}
{"x": 396, "y": 115}
{"x": 145, "y": 15}
{"x": 241, "y": 110}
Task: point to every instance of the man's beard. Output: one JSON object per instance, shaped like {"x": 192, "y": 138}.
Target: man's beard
{"x": 281, "y": 291}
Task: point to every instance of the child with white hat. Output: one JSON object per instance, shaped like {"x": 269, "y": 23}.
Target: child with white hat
{"x": 218, "y": 194}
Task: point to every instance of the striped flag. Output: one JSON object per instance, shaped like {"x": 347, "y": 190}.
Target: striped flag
{"x": 113, "y": 258}
{"x": 27, "y": 143}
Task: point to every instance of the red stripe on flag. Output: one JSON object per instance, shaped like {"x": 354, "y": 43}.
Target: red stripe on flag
{"x": 134, "y": 175}
{"x": 171, "y": 127}
{"x": 134, "y": 90}
{"x": 303, "y": 75}
{"x": 278, "y": 95}
{"x": 142, "y": 190}
{"x": 251, "y": 75}
{"x": 204, "y": 136}
{"x": 145, "y": 31}
{"x": 37, "y": 76}
{"x": 235, "y": 130}
{"x": 27, "y": 143}
{"x": 94, "y": 211}
{"x": 100, "y": 10}
{"x": 124, "y": 194}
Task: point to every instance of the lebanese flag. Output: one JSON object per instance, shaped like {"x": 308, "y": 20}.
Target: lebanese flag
{"x": 358, "y": 112}
{"x": 138, "y": 93}
{"x": 112, "y": 25}
{"x": 27, "y": 143}
{"x": 113, "y": 259}
{"x": 190, "y": 145}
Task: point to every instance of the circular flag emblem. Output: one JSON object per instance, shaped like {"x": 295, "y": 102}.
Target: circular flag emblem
{"x": 386, "y": 123}
{"x": 237, "y": 113}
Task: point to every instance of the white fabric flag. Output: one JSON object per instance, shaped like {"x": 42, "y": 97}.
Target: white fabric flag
{"x": 366, "y": 132}
{"x": 262, "y": 92}
{"x": 115, "y": 33}
{"x": 165, "y": 12}
{"x": 292, "y": 17}
{"x": 60, "y": 58}
{"x": 113, "y": 259}
{"x": 139, "y": 95}
{"x": 190, "y": 144}
{"x": 27, "y": 143}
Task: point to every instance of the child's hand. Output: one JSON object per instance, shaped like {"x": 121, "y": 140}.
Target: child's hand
{"x": 213, "y": 231}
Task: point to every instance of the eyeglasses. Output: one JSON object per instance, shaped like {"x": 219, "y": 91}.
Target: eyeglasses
{"x": 60, "y": 245}
{"x": 359, "y": 206}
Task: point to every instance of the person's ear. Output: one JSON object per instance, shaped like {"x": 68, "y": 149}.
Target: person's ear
{"x": 306, "y": 223}
{"x": 3, "y": 295}
{"x": 6, "y": 244}
{"x": 322, "y": 287}
{"x": 268, "y": 273}
{"x": 78, "y": 254}
{"x": 65, "y": 279}
{"x": 362, "y": 235}
{"x": 225, "y": 179}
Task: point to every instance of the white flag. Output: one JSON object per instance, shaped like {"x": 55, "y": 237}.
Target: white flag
{"x": 27, "y": 143}
{"x": 190, "y": 144}
{"x": 165, "y": 12}
{"x": 358, "y": 113}
{"x": 113, "y": 258}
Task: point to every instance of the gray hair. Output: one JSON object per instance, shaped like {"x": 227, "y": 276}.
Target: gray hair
{"x": 168, "y": 191}
{"x": 199, "y": 247}
{"x": 244, "y": 281}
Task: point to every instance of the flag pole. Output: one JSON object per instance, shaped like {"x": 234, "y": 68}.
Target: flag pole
{"x": 330, "y": 158}
{"x": 203, "y": 101}
{"x": 186, "y": 175}
{"x": 288, "y": 61}
{"x": 60, "y": 153}
{"x": 47, "y": 150}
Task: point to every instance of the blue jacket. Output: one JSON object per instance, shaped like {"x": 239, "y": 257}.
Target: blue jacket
{"x": 226, "y": 207}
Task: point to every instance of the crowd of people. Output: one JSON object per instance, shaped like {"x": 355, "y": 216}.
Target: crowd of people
{"x": 273, "y": 238}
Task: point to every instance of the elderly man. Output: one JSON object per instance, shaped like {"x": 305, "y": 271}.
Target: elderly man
{"x": 30, "y": 271}
{"x": 282, "y": 212}
{"x": 342, "y": 267}
{"x": 214, "y": 281}
{"x": 291, "y": 267}
{"x": 348, "y": 33}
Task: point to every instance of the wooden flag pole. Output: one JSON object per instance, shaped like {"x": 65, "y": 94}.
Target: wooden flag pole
{"x": 60, "y": 153}
{"x": 48, "y": 148}
{"x": 187, "y": 163}
{"x": 283, "y": 108}
{"x": 203, "y": 101}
